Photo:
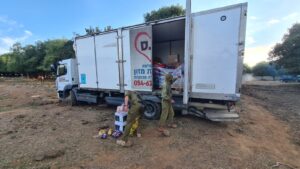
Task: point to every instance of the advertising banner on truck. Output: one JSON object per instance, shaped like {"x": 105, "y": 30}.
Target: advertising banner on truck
{"x": 141, "y": 58}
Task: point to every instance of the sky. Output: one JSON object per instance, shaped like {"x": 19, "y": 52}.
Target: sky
{"x": 28, "y": 21}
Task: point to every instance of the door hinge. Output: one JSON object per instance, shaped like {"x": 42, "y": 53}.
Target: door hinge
{"x": 241, "y": 43}
{"x": 119, "y": 37}
{"x": 121, "y": 84}
{"x": 191, "y": 57}
{"x": 120, "y": 61}
{"x": 241, "y": 53}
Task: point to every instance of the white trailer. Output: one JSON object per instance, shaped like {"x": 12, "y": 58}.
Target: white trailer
{"x": 109, "y": 63}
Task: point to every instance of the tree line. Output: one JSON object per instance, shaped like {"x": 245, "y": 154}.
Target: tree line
{"x": 33, "y": 60}
{"x": 284, "y": 58}
{"x": 36, "y": 59}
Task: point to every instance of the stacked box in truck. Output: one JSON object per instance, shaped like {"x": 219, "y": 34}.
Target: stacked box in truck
{"x": 135, "y": 57}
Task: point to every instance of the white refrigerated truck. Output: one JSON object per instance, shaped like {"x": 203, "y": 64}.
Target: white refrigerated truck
{"x": 209, "y": 45}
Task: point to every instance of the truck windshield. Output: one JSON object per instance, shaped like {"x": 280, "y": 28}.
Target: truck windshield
{"x": 61, "y": 70}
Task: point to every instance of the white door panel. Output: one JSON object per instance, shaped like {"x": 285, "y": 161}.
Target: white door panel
{"x": 107, "y": 56}
{"x": 86, "y": 62}
{"x": 126, "y": 57}
{"x": 215, "y": 38}
{"x": 137, "y": 53}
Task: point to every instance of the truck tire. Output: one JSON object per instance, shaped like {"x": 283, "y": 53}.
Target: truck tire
{"x": 152, "y": 110}
{"x": 74, "y": 101}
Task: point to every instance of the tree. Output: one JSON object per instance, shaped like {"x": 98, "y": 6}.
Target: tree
{"x": 16, "y": 62}
{"x": 91, "y": 30}
{"x": 36, "y": 59}
{"x": 107, "y": 28}
{"x": 246, "y": 69}
{"x": 2, "y": 65}
{"x": 67, "y": 50}
{"x": 264, "y": 69}
{"x": 164, "y": 12}
{"x": 5, "y": 59}
{"x": 57, "y": 50}
{"x": 40, "y": 55}
{"x": 287, "y": 53}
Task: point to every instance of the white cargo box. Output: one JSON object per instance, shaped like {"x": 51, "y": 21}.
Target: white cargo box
{"x": 123, "y": 59}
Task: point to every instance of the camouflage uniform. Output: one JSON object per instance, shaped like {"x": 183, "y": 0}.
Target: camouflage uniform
{"x": 134, "y": 112}
{"x": 167, "y": 113}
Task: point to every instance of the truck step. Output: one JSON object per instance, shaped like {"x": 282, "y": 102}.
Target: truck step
{"x": 213, "y": 113}
{"x": 86, "y": 97}
{"x": 222, "y": 115}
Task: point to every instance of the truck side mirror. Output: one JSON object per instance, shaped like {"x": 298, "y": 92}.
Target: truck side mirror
{"x": 52, "y": 67}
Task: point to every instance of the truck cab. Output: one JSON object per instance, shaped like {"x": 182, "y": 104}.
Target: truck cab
{"x": 66, "y": 77}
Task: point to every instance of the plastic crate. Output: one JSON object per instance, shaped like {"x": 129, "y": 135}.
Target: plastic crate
{"x": 120, "y": 116}
{"x": 120, "y": 126}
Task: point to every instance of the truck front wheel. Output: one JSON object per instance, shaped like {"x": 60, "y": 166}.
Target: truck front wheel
{"x": 152, "y": 110}
{"x": 74, "y": 101}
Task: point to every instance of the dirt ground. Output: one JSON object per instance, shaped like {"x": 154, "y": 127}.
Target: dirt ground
{"x": 38, "y": 132}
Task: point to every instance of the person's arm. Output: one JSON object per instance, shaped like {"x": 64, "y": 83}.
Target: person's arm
{"x": 174, "y": 79}
{"x": 126, "y": 103}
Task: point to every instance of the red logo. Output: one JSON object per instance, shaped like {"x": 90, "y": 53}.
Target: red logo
{"x": 144, "y": 44}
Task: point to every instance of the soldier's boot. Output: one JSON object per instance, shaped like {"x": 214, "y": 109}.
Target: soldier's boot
{"x": 125, "y": 143}
{"x": 172, "y": 125}
{"x": 166, "y": 133}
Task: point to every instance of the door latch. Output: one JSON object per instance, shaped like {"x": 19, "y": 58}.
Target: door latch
{"x": 120, "y": 61}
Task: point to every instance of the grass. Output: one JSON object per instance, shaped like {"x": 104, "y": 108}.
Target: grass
{"x": 6, "y": 108}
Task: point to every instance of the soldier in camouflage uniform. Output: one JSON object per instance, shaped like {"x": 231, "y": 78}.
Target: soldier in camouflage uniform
{"x": 167, "y": 113}
{"x": 134, "y": 112}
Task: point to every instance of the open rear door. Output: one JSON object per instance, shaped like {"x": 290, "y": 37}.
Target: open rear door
{"x": 139, "y": 60}
{"x": 217, "y": 46}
